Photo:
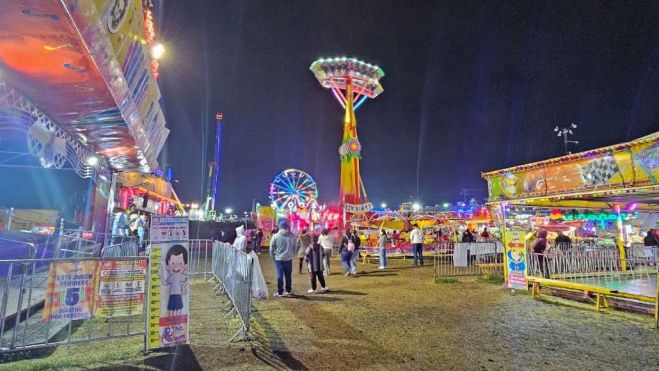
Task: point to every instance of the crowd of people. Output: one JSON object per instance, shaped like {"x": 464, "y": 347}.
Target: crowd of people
{"x": 313, "y": 252}
{"x": 130, "y": 222}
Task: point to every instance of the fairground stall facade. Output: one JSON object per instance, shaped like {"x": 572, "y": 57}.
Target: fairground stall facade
{"x": 604, "y": 200}
{"x": 78, "y": 90}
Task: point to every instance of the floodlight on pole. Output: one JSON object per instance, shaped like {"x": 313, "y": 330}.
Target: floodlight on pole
{"x": 565, "y": 133}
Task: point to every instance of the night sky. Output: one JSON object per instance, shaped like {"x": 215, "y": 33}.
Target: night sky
{"x": 469, "y": 87}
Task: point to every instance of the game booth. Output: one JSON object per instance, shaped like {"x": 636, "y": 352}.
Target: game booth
{"x": 604, "y": 200}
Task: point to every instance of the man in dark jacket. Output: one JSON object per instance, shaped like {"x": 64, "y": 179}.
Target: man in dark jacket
{"x": 540, "y": 249}
{"x": 651, "y": 239}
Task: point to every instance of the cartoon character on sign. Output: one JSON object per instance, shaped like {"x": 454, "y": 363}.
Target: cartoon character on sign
{"x": 175, "y": 278}
{"x": 516, "y": 261}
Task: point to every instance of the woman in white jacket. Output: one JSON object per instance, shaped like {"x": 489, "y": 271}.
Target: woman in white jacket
{"x": 240, "y": 243}
{"x": 327, "y": 242}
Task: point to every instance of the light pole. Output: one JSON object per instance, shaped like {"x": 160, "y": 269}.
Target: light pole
{"x": 564, "y": 132}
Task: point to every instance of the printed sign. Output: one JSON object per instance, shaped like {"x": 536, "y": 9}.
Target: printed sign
{"x": 70, "y": 291}
{"x": 120, "y": 288}
{"x": 516, "y": 259}
{"x": 168, "y": 285}
{"x": 358, "y": 208}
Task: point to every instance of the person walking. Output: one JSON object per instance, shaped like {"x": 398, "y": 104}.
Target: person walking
{"x": 382, "y": 246}
{"x": 282, "y": 248}
{"x": 314, "y": 256}
{"x": 327, "y": 242}
{"x": 354, "y": 259}
{"x": 346, "y": 250}
{"x": 303, "y": 242}
{"x": 416, "y": 239}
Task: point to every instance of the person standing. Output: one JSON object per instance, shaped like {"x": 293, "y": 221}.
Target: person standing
{"x": 314, "y": 256}
{"x": 252, "y": 240}
{"x": 327, "y": 242}
{"x": 282, "y": 248}
{"x": 650, "y": 239}
{"x": 416, "y": 239}
{"x": 240, "y": 243}
{"x": 259, "y": 240}
{"x": 354, "y": 259}
{"x": 562, "y": 241}
{"x": 382, "y": 246}
{"x": 468, "y": 235}
{"x": 541, "y": 249}
{"x": 303, "y": 242}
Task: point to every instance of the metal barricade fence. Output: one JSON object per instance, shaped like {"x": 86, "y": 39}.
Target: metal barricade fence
{"x": 467, "y": 258}
{"x": 23, "y": 288}
{"x": 233, "y": 269}
{"x": 590, "y": 266}
{"x": 201, "y": 255}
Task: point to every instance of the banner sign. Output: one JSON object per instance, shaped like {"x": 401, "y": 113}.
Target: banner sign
{"x": 70, "y": 291}
{"x": 168, "y": 282}
{"x": 633, "y": 164}
{"x": 120, "y": 288}
{"x": 515, "y": 248}
{"x": 359, "y": 208}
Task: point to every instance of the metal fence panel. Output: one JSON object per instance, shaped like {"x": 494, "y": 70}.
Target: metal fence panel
{"x": 467, "y": 259}
{"x": 233, "y": 269}
{"x": 24, "y": 286}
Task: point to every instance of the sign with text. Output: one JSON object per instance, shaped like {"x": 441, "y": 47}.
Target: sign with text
{"x": 70, "y": 291}
{"x": 515, "y": 248}
{"x": 121, "y": 286}
{"x": 169, "y": 300}
{"x": 358, "y": 208}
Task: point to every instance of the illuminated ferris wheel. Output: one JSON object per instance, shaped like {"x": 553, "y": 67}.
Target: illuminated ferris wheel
{"x": 292, "y": 190}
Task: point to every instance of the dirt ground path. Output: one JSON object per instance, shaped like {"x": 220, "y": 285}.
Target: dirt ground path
{"x": 396, "y": 319}
{"x": 399, "y": 319}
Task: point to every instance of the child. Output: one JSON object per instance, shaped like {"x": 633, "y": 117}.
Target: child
{"x": 314, "y": 255}
{"x": 176, "y": 263}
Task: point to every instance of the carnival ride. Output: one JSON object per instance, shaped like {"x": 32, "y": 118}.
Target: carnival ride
{"x": 292, "y": 190}
{"x": 352, "y": 82}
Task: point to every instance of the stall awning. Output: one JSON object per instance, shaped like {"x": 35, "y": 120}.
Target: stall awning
{"x": 84, "y": 63}
{"x": 622, "y": 173}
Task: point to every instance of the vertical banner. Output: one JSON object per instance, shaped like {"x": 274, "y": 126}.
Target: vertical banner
{"x": 516, "y": 259}
{"x": 70, "y": 291}
{"x": 168, "y": 282}
{"x": 120, "y": 288}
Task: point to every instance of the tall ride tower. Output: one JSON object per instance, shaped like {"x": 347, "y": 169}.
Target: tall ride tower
{"x": 351, "y": 81}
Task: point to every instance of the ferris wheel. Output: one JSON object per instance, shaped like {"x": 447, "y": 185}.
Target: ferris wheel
{"x": 293, "y": 189}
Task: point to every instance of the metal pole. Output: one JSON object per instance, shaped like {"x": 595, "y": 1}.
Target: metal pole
{"x": 656, "y": 296}
{"x": 5, "y": 297}
{"x": 11, "y": 217}
{"x": 218, "y": 155}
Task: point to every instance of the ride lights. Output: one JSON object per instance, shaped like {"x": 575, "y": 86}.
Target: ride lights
{"x": 157, "y": 51}
{"x": 92, "y": 160}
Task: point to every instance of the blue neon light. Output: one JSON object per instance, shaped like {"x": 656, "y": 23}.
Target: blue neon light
{"x": 360, "y": 102}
